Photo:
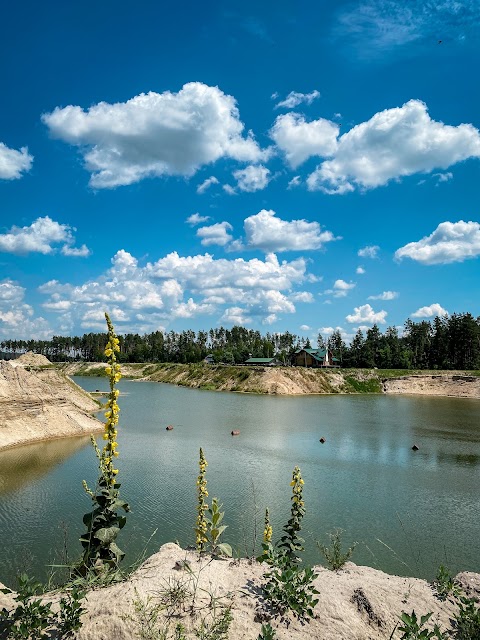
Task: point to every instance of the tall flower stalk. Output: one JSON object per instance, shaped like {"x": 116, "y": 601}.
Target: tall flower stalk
{"x": 291, "y": 543}
{"x": 103, "y": 523}
{"x": 202, "y": 506}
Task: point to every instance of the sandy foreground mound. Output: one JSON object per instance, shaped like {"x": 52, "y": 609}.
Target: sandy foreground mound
{"x": 355, "y": 603}
{"x": 41, "y": 404}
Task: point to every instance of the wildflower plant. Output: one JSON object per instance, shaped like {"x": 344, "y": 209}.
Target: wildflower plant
{"x": 103, "y": 522}
{"x": 209, "y": 525}
{"x": 291, "y": 543}
{"x": 287, "y": 586}
{"x": 202, "y": 506}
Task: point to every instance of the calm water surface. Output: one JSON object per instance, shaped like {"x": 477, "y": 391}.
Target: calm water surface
{"x": 409, "y": 511}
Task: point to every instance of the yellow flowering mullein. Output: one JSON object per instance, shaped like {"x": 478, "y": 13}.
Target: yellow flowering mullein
{"x": 291, "y": 542}
{"x": 201, "y": 528}
{"x": 103, "y": 522}
{"x": 268, "y": 531}
{"x": 110, "y": 450}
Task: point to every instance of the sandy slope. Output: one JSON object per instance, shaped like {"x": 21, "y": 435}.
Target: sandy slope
{"x": 39, "y": 404}
{"x": 356, "y": 603}
{"x": 292, "y": 380}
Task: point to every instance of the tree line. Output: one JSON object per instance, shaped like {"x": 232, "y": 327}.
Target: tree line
{"x": 448, "y": 342}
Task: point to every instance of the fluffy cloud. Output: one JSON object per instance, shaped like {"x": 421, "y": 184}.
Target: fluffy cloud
{"x": 394, "y": 143}
{"x": 143, "y": 298}
{"x": 294, "y": 99}
{"x": 366, "y": 315}
{"x": 370, "y": 251}
{"x": 155, "y": 134}
{"x": 196, "y": 218}
{"x": 386, "y": 295}
{"x": 360, "y": 271}
{"x": 215, "y": 234}
{"x": 252, "y": 178}
{"x": 13, "y": 163}
{"x": 39, "y": 238}
{"x": 299, "y": 140}
{"x": 340, "y": 288}
{"x": 428, "y": 312}
{"x": 16, "y": 317}
{"x": 206, "y": 184}
{"x": 268, "y": 233}
{"x": 450, "y": 242}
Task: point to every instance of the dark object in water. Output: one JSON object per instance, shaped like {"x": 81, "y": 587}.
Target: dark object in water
{"x": 169, "y": 428}
{"x": 235, "y": 432}
{"x": 322, "y": 440}
{"x": 414, "y": 448}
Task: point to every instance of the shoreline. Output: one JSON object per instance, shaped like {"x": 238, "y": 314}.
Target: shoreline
{"x": 294, "y": 381}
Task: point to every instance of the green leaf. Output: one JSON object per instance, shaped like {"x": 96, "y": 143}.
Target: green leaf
{"x": 225, "y": 549}
{"x": 107, "y": 535}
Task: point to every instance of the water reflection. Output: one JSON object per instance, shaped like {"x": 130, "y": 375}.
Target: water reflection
{"x": 21, "y": 466}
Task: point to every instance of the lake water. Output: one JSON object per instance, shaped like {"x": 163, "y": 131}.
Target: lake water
{"x": 409, "y": 511}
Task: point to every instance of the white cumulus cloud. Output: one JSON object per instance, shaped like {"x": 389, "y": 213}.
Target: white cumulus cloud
{"x": 215, "y": 234}
{"x": 14, "y": 163}
{"x": 299, "y": 140}
{"x": 295, "y": 98}
{"x": 40, "y": 237}
{"x": 366, "y": 315}
{"x": 450, "y": 242}
{"x": 252, "y": 178}
{"x": 267, "y": 232}
{"x": 360, "y": 271}
{"x": 370, "y": 251}
{"x": 195, "y": 219}
{"x": 143, "y": 298}
{"x": 394, "y": 143}
{"x": 155, "y": 134}
{"x": 428, "y": 312}
{"x": 386, "y": 295}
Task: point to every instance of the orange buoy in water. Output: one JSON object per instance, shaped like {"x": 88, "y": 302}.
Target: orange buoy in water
{"x": 235, "y": 432}
{"x": 169, "y": 428}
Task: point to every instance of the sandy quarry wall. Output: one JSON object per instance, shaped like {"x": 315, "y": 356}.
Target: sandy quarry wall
{"x": 40, "y": 404}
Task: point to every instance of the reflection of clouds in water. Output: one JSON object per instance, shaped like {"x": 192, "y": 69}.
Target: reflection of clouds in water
{"x": 21, "y": 466}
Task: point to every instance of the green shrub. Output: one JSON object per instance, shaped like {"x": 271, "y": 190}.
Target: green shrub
{"x": 333, "y": 554}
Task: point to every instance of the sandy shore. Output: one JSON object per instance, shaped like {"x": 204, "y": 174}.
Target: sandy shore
{"x": 355, "y": 603}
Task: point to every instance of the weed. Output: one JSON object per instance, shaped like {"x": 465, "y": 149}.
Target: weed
{"x": 174, "y": 595}
{"x": 31, "y": 617}
{"x": 267, "y": 632}
{"x": 215, "y": 530}
{"x": 414, "y": 629}
{"x": 334, "y": 555}
{"x": 467, "y": 620}
{"x": 71, "y": 610}
{"x": 291, "y": 589}
{"x": 445, "y": 585}
{"x": 217, "y": 629}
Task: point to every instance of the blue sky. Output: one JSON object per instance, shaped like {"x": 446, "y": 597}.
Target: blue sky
{"x": 303, "y": 166}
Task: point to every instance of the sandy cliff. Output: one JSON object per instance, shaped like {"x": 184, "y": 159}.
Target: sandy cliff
{"x": 41, "y": 403}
